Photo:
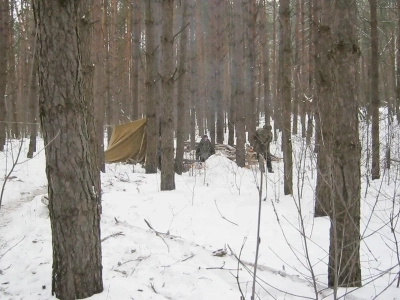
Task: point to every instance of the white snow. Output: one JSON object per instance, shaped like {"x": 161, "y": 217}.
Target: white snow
{"x": 214, "y": 207}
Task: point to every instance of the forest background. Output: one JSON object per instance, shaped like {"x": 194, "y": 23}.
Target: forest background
{"x": 314, "y": 68}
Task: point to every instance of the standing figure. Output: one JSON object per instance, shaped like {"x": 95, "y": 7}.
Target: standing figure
{"x": 205, "y": 149}
{"x": 262, "y": 140}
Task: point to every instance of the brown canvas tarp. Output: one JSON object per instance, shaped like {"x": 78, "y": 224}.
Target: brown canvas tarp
{"x": 127, "y": 143}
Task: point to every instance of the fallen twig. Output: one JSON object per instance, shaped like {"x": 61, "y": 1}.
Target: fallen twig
{"x": 112, "y": 235}
{"x": 167, "y": 266}
{"x": 125, "y": 262}
{"x": 215, "y": 201}
{"x": 11, "y": 248}
{"x": 162, "y": 233}
{"x": 139, "y": 259}
{"x": 237, "y": 269}
{"x": 152, "y": 287}
{"x": 159, "y": 234}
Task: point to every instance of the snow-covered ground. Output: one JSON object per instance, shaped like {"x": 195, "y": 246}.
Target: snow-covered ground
{"x": 214, "y": 209}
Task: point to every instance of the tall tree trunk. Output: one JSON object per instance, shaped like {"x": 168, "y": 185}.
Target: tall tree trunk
{"x": 344, "y": 251}
{"x": 182, "y": 87}
{"x": 265, "y": 62}
{"x": 136, "y": 38}
{"x": 375, "y": 171}
{"x": 297, "y": 66}
{"x": 108, "y": 47}
{"x": 193, "y": 78}
{"x": 251, "y": 18}
{"x": 68, "y": 126}
{"x": 323, "y": 112}
{"x": 219, "y": 75}
{"x": 213, "y": 66}
{"x": 98, "y": 80}
{"x": 200, "y": 103}
{"x": 232, "y": 106}
{"x": 238, "y": 47}
{"x": 33, "y": 97}
{"x": 275, "y": 99}
{"x": 303, "y": 70}
{"x": 397, "y": 64}
{"x": 285, "y": 87}
{"x": 150, "y": 87}
{"x": 167, "y": 134}
{"x": 12, "y": 77}
{"x": 310, "y": 82}
{"x": 4, "y": 30}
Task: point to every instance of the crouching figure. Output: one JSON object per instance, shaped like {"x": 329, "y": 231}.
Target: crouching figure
{"x": 262, "y": 140}
{"x": 205, "y": 149}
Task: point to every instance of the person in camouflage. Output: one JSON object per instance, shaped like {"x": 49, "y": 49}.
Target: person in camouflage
{"x": 262, "y": 140}
{"x": 205, "y": 149}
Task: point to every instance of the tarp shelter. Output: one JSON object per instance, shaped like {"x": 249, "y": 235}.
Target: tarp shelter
{"x": 127, "y": 143}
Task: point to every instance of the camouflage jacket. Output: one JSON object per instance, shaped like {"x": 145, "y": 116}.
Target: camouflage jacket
{"x": 205, "y": 149}
{"x": 262, "y": 139}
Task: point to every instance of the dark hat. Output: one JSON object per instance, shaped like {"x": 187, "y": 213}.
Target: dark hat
{"x": 267, "y": 126}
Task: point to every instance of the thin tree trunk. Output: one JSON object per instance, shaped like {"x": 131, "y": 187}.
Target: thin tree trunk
{"x": 265, "y": 62}
{"x": 239, "y": 83}
{"x": 98, "y": 80}
{"x": 297, "y": 65}
{"x": 375, "y": 171}
{"x": 250, "y": 16}
{"x": 33, "y": 99}
{"x": 12, "y": 78}
{"x": 182, "y": 87}
{"x": 344, "y": 251}
{"x": 201, "y": 102}
{"x": 398, "y": 64}
{"x": 303, "y": 72}
{"x": 219, "y": 52}
{"x": 285, "y": 87}
{"x": 108, "y": 47}
{"x": 232, "y": 106}
{"x": 309, "y": 105}
{"x": 4, "y": 30}
{"x": 150, "y": 87}
{"x": 167, "y": 134}
{"x": 193, "y": 78}
{"x": 136, "y": 38}
{"x": 68, "y": 125}
{"x": 323, "y": 113}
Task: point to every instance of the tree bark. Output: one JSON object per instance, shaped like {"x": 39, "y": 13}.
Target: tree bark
{"x": 265, "y": 62}
{"x": 344, "y": 250}
{"x": 68, "y": 127}
{"x": 12, "y": 81}
{"x": 150, "y": 88}
{"x": 167, "y": 134}
{"x": 374, "y": 80}
{"x": 182, "y": 87}
{"x": 98, "y": 51}
{"x": 232, "y": 79}
{"x": 398, "y": 64}
{"x": 33, "y": 98}
{"x": 193, "y": 77}
{"x": 4, "y": 17}
{"x": 297, "y": 68}
{"x": 136, "y": 38}
{"x": 323, "y": 112}
{"x": 251, "y": 18}
{"x": 238, "y": 46}
{"x": 285, "y": 87}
